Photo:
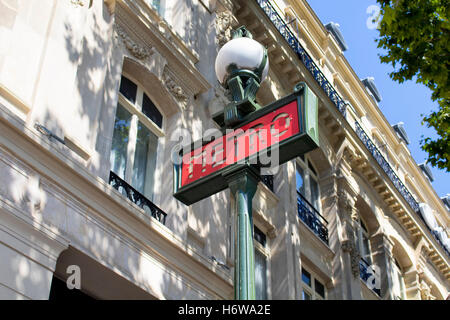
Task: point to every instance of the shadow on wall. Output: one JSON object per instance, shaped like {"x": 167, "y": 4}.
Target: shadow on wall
{"x": 95, "y": 86}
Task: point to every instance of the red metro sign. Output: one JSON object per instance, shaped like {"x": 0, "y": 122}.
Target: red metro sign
{"x": 241, "y": 143}
{"x": 270, "y": 136}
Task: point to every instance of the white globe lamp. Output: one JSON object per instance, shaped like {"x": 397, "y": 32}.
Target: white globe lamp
{"x": 241, "y": 65}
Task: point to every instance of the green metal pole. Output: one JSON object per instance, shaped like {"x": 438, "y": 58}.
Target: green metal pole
{"x": 243, "y": 185}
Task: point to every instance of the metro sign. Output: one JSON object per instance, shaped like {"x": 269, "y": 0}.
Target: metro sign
{"x": 287, "y": 128}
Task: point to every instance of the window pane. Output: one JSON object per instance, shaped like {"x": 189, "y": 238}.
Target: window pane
{"x": 259, "y": 236}
{"x": 300, "y": 180}
{"x": 144, "y": 161}
{"x": 150, "y": 110}
{"x": 319, "y": 288}
{"x": 306, "y": 277}
{"x": 128, "y": 88}
{"x": 118, "y": 157}
{"x": 306, "y": 295}
{"x": 314, "y": 193}
{"x": 366, "y": 249}
{"x": 312, "y": 168}
{"x": 260, "y": 276}
{"x": 157, "y": 5}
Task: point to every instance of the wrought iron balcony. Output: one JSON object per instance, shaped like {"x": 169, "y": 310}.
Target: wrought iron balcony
{"x": 268, "y": 181}
{"x": 136, "y": 197}
{"x": 284, "y": 29}
{"x": 386, "y": 167}
{"x": 289, "y": 36}
{"x": 312, "y": 218}
{"x": 365, "y": 272}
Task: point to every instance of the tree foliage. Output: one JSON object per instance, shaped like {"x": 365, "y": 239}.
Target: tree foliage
{"x": 415, "y": 35}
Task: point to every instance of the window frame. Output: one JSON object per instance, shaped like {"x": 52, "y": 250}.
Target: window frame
{"x": 311, "y": 290}
{"x": 137, "y": 116}
{"x": 308, "y": 174}
{"x": 363, "y": 231}
{"x": 136, "y": 108}
{"x": 264, "y": 250}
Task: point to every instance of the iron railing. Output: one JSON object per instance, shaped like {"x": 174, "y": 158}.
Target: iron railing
{"x": 398, "y": 184}
{"x": 136, "y": 197}
{"x": 309, "y": 63}
{"x": 289, "y": 36}
{"x": 365, "y": 272}
{"x": 312, "y": 218}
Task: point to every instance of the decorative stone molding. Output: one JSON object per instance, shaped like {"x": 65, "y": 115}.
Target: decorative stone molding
{"x": 425, "y": 291}
{"x": 139, "y": 51}
{"x": 224, "y": 25}
{"x": 347, "y": 203}
{"x": 176, "y": 90}
{"x": 349, "y": 247}
{"x": 80, "y": 3}
{"x": 165, "y": 30}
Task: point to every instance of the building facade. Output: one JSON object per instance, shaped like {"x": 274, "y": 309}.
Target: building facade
{"x": 93, "y": 97}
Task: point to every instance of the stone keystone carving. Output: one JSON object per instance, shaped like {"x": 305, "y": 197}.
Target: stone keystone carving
{"x": 174, "y": 88}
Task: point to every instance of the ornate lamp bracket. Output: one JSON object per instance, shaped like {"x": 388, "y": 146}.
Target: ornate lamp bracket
{"x": 243, "y": 85}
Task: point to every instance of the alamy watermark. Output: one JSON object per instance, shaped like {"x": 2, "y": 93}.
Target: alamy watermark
{"x": 373, "y": 21}
{"x": 373, "y": 280}
{"x": 254, "y": 145}
{"x": 74, "y": 279}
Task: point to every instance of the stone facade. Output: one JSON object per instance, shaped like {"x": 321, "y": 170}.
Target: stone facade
{"x": 61, "y": 64}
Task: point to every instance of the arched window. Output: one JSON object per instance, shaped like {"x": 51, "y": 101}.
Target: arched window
{"x": 137, "y": 126}
{"x": 399, "y": 281}
{"x": 364, "y": 242}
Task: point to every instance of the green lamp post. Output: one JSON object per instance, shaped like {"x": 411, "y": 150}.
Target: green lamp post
{"x": 241, "y": 66}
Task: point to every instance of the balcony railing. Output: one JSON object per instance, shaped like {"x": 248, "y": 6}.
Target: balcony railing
{"x": 289, "y": 36}
{"x": 309, "y": 63}
{"x": 136, "y": 197}
{"x": 365, "y": 272}
{"x": 268, "y": 181}
{"x": 312, "y": 218}
{"x": 363, "y": 136}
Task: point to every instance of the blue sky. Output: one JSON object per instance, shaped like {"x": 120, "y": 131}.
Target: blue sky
{"x": 401, "y": 102}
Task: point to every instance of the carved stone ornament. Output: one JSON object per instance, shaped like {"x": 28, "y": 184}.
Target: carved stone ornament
{"x": 80, "y": 3}
{"x": 224, "y": 22}
{"x": 139, "y": 51}
{"x": 347, "y": 203}
{"x": 425, "y": 291}
{"x": 177, "y": 91}
{"x": 355, "y": 257}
